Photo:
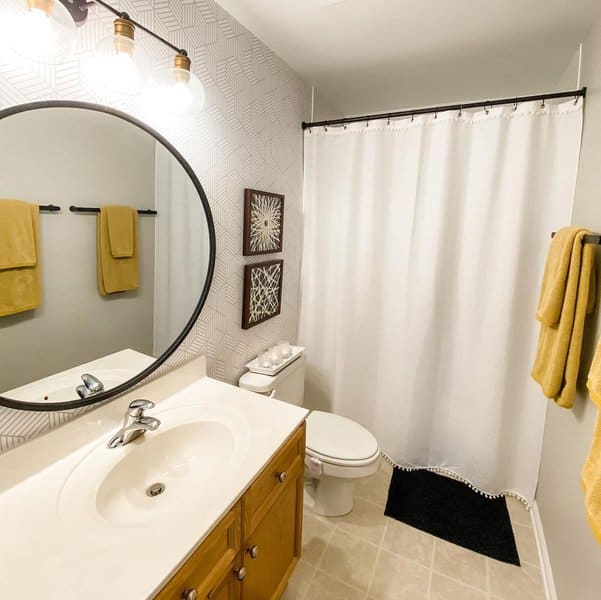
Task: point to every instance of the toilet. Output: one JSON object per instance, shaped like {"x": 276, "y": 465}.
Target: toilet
{"x": 339, "y": 451}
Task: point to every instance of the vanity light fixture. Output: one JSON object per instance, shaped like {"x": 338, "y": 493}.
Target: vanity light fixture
{"x": 43, "y": 31}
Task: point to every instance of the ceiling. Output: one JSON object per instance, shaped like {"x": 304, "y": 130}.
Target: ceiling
{"x": 374, "y": 55}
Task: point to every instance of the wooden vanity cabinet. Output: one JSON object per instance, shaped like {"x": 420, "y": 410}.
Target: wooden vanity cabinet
{"x": 251, "y": 553}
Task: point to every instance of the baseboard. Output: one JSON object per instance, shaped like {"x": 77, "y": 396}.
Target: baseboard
{"x": 543, "y": 553}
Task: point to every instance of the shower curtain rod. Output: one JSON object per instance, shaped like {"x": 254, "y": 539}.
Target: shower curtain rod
{"x": 439, "y": 109}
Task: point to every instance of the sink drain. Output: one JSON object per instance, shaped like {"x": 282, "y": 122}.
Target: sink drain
{"x": 156, "y": 489}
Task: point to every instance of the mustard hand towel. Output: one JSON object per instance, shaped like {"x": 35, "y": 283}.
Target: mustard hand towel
{"x": 20, "y": 287}
{"x": 556, "y": 275}
{"x": 116, "y": 274}
{"x": 17, "y": 241}
{"x": 559, "y": 348}
{"x": 121, "y": 225}
{"x": 591, "y": 471}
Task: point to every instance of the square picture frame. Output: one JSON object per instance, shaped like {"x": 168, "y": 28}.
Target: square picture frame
{"x": 263, "y": 222}
{"x": 262, "y": 297}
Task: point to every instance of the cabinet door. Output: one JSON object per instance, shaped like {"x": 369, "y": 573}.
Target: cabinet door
{"x": 275, "y": 543}
{"x": 229, "y": 588}
{"x": 209, "y": 563}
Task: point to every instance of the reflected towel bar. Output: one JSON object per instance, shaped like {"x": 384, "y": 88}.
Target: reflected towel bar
{"x": 593, "y": 238}
{"x": 49, "y": 208}
{"x": 91, "y": 209}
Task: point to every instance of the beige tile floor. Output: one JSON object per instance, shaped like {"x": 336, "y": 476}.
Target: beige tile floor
{"x": 367, "y": 556}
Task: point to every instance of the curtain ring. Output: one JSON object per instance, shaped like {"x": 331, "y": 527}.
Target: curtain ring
{"x": 486, "y": 109}
{"x": 344, "y": 126}
{"x": 515, "y": 105}
{"x": 388, "y": 122}
{"x": 543, "y": 106}
{"x": 366, "y": 123}
{"x": 575, "y": 100}
{"x": 436, "y": 115}
{"x": 325, "y": 128}
{"x": 460, "y": 111}
{"x": 412, "y": 118}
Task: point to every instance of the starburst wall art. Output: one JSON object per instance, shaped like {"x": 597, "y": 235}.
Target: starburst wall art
{"x": 262, "y": 292}
{"x": 263, "y": 222}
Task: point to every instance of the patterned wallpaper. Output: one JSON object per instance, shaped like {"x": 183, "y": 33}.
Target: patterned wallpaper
{"x": 248, "y": 136}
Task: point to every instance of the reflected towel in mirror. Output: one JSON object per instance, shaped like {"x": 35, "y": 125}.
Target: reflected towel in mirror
{"x": 118, "y": 268}
{"x": 20, "y": 287}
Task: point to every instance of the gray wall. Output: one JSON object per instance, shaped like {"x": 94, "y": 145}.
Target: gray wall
{"x": 68, "y": 156}
{"x": 249, "y": 135}
{"x": 575, "y": 554}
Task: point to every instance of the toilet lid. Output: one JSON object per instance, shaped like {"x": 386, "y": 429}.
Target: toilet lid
{"x": 338, "y": 437}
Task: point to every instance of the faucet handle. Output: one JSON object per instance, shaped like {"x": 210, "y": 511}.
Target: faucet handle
{"x": 141, "y": 403}
{"x": 137, "y": 407}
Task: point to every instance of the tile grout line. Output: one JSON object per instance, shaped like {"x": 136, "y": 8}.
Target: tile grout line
{"x": 309, "y": 582}
{"x": 378, "y": 552}
{"x": 431, "y": 573}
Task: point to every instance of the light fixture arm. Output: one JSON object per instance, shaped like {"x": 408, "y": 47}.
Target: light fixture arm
{"x": 78, "y": 9}
{"x": 123, "y": 15}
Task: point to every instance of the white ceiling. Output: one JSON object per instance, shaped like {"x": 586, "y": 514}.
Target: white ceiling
{"x": 372, "y": 55}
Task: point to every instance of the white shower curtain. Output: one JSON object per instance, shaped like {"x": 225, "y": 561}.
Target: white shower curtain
{"x": 181, "y": 249}
{"x": 423, "y": 250}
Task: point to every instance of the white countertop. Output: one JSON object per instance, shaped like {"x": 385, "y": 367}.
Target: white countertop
{"x": 44, "y": 555}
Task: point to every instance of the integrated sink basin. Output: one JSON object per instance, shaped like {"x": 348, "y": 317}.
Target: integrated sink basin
{"x": 176, "y": 468}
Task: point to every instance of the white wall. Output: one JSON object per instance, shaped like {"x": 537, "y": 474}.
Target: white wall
{"x": 575, "y": 554}
{"x": 68, "y": 156}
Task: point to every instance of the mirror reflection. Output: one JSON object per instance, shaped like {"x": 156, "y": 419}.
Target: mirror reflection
{"x": 92, "y": 296}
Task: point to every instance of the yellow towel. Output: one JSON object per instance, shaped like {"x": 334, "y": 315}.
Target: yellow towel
{"x": 559, "y": 345}
{"x": 121, "y": 224}
{"x": 20, "y": 287}
{"x": 591, "y": 471}
{"x": 555, "y": 276}
{"x": 117, "y": 274}
{"x": 17, "y": 241}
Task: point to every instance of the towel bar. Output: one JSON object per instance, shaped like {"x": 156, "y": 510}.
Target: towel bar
{"x": 593, "y": 238}
{"x": 91, "y": 209}
{"x": 49, "y": 208}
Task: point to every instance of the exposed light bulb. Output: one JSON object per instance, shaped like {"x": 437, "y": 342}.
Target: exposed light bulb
{"x": 118, "y": 64}
{"x": 43, "y": 31}
{"x": 177, "y": 91}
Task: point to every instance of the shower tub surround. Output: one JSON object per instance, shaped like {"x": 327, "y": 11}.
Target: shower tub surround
{"x": 248, "y": 136}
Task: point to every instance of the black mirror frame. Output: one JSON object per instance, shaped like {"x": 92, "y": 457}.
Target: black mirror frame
{"x": 124, "y": 387}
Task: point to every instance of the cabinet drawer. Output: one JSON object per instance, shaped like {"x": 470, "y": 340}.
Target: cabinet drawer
{"x": 272, "y": 480}
{"x": 210, "y": 561}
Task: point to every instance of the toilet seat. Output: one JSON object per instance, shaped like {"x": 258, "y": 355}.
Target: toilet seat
{"x": 338, "y": 441}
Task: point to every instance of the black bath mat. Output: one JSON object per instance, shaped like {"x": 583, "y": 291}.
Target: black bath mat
{"x": 452, "y": 511}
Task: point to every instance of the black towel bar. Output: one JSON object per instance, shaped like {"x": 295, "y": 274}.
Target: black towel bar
{"x": 92, "y": 209}
{"x": 49, "y": 208}
{"x": 593, "y": 238}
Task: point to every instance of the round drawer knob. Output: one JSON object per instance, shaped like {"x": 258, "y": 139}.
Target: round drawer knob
{"x": 190, "y": 594}
{"x": 282, "y": 476}
{"x": 240, "y": 573}
{"x": 253, "y": 551}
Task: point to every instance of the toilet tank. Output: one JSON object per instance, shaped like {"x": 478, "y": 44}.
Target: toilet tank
{"x": 288, "y": 385}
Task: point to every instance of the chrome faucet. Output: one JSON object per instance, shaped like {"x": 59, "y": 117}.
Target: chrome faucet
{"x": 91, "y": 385}
{"x": 135, "y": 424}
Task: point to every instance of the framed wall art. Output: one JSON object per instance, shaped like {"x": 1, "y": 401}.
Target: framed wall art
{"x": 262, "y": 292}
{"x": 263, "y": 222}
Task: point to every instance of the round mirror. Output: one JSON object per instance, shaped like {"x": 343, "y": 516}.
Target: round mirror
{"x": 107, "y": 250}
